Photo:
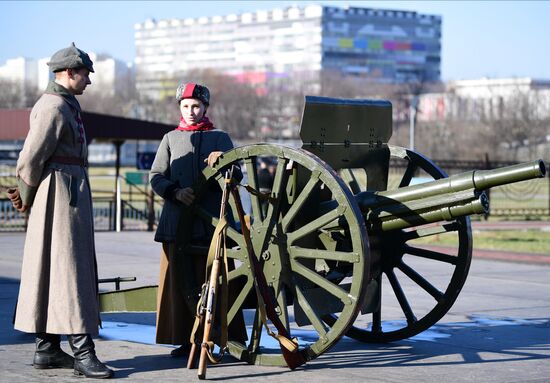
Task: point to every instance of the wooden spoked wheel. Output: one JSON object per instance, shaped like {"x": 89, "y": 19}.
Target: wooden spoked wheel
{"x": 288, "y": 232}
{"x": 414, "y": 284}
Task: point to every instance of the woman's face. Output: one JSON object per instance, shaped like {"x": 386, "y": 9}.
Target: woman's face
{"x": 192, "y": 110}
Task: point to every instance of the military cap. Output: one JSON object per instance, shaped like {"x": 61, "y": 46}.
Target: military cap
{"x": 68, "y": 58}
{"x": 191, "y": 90}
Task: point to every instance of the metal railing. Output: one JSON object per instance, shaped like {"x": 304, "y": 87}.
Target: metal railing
{"x": 137, "y": 208}
{"x": 104, "y": 211}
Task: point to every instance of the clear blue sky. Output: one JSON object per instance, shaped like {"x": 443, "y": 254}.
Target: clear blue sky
{"x": 480, "y": 38}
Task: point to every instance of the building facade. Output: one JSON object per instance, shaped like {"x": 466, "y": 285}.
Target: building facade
{"x": 111, "y": 75}
{"x": 264, "y": 46}
{"x": 487, "y": 99}
{"x": 21, "y": 70}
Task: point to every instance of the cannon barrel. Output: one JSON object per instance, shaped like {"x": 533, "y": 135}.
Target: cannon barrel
{"x": 479, "y": 205}
{"x": 442, "y": 199}
{"x": 475, "y": 179}
{"x": 400, "y": 215}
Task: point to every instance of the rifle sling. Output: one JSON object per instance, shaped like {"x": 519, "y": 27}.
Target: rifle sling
{"x": 259, "y": 194}
{"x": 290, "y": 345}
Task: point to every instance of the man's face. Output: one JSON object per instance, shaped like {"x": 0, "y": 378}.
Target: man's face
{"x": 192, "y": 110}
{"x": 79, "y": 79}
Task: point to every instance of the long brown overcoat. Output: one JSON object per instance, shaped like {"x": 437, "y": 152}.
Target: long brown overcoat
{"x": 58, "y": 292}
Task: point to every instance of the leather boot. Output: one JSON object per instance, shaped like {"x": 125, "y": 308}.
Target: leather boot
{"x": 85, "y": 359}
{"x": 48, "y": 353}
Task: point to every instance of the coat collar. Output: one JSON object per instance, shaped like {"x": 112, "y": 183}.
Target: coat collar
{"x": 60, "y": 90}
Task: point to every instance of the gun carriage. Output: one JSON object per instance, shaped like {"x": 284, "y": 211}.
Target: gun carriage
{"x": 338, "y": 239}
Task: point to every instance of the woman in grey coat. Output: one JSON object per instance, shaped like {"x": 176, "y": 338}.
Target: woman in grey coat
{"x": 180, "y": 159}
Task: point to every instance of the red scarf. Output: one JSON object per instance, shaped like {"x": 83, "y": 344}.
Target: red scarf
{"x": 203, "y": 124}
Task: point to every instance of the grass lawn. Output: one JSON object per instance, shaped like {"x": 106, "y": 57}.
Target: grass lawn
{"x": 102, "y": 181}
{"x": 527, "y": 241}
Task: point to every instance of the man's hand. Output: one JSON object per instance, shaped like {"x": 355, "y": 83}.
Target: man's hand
{"x": 212, "y": 158}
{"x": 186, "y": 196}
{"x": 16, "y": 201}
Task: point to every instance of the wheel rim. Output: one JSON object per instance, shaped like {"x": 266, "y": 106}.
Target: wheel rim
{"x": 404, "y": 266}
{"x": 289, "y": 260}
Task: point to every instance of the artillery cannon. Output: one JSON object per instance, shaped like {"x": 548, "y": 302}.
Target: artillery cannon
{"x": 334, "y": 252}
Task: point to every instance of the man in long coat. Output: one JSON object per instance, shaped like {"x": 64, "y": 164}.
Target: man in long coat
{"x": 58, "y": 293}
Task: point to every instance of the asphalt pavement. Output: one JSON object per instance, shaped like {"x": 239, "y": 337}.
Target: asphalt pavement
{"x": 497, "y": 331}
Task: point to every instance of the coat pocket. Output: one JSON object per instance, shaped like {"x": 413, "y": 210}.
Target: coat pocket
{"x": 71, "y": 183}
{"x": 73, "y": 191}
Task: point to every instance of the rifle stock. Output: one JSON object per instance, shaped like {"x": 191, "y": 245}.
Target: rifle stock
{"x": 209, "y": 315}
{"x": 199, "y": 323}
{"x": 191, "y": 361}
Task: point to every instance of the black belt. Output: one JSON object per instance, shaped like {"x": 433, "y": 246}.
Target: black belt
{"x": 69, "y": 161}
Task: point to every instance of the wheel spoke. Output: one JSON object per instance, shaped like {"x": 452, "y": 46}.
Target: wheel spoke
{"x": 350, "y": 179}
{"x": 239, "y": 300}
{"x": 236, "y": 253}
{"x": 377, "y": 315}
{"x": 281, "y": 301}
{"x": 325, "y": 284}
{"x": 235, "y": 236}
{"x": 401, "y": 298}
{"x": 300, "y": 252}
{"x": 310, "y": 313}
{"x": 256, "y": 333}
{"x": 276, "y": 192}
{"x": 430, "y": 254}
{"x": 291, "y": 213}
{"x": 238, "y": 272}
{"x": 421, "y": 281}
{"x": 409, "y": 173}
{"x": 314, "y": 225}
{"x": 251, "y": 171}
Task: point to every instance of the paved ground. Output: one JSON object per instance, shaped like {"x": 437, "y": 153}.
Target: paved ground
{"x": 497, "y": 331}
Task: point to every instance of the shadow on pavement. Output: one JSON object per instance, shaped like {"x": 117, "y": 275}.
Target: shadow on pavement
{"x": 473, "y": 342}
{"x": 465, "y": 344}
{"x": 9, "y": 289}
{"x": 144, "y": 363}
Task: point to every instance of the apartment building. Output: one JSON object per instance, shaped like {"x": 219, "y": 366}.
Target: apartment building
{"x": 266, "y": 46}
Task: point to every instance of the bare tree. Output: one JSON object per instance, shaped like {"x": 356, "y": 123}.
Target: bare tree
{"x": 119, "y": 100}
{"x": 517, "y": 123}
{"x": 16, "y": 94}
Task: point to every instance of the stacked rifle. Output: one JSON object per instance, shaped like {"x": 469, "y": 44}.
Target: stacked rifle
{"x": 217, "y": 267}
